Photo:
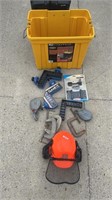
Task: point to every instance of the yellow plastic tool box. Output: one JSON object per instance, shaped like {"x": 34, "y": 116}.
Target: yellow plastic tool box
{"x": 59, "y": 37}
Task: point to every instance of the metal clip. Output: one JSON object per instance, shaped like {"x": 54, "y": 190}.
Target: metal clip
{"x": 71, "y": 127}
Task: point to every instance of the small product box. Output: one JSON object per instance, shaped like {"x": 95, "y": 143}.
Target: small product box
{"x": 75, "y": 88}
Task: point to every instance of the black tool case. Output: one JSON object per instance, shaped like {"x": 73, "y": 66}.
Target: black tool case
{"x": 50, "y": 5}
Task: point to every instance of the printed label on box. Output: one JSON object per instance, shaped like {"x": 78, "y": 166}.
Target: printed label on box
{"x": 61, "y": 52}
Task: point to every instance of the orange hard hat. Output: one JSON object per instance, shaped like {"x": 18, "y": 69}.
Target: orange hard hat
{"x": 63, "y": 147}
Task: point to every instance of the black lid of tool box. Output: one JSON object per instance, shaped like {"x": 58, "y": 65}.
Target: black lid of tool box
{"x": 50, "y": 5}
{"x": 39, "y": 4}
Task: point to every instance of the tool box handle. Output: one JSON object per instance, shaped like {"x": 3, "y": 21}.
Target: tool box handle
{"x": 24, "y": 33}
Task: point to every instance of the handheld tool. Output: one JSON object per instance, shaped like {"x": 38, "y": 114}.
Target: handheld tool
{"x": 49, "y": 101}
{"x": 54, "y": 88}
{"x": 47, "y": 75}
{"x": 71, "y": 127}
{"x": 35, "y": 105}
{"x": 35, "y": 79}
{"x": 50, "y": 128}
{"x": 65, "y": 103}
{"x": 77, "y": 83}
{"x": 52, "y": 125}
{"x": 84, "y": 114}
